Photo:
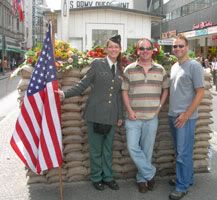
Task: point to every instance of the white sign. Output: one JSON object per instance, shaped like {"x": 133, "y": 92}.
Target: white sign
{"x": 168, "y": 41}
{"x": 190, "y": 34}
{"x": 212, "y": 30}
{"x": 81, "y": 4}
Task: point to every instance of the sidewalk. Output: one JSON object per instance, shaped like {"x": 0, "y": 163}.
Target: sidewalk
{"x": 6, "y": 75}
{"x": 13, "y": 179}
{"x": 213, "y": 90}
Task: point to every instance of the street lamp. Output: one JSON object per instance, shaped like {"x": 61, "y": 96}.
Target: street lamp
{"x": 64, "y": 8}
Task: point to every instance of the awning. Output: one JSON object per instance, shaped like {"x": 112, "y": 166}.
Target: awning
{"x": 16, "y": 50}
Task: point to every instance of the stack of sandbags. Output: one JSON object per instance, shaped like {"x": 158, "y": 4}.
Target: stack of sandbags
{"x": 73, "y": 136}
{"x": 123, "y": 166}
{"x": 35, "y": 178}
{"x": 76, "y": 165}
{"x": 53, "y": 175}
{"x": 203, "y": 131}
{"x": 163, "y": 155}
{"x": 25, "y": 73}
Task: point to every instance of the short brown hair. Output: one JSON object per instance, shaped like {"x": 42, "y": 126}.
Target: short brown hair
{"x": 181, "y": 37}
{"x": 143, "y": 40}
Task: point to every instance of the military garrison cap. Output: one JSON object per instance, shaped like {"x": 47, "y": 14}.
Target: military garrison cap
{"x": 116, "y": 39}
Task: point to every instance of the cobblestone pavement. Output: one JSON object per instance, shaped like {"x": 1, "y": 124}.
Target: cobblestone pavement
{"x": 14, "y": 181}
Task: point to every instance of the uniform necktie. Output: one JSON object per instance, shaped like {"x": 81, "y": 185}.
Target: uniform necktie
{"x": 113, "y": 70}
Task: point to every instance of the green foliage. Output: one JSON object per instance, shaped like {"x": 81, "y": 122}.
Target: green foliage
{"x": 191, "y": 54}
{"x": 160, "y": 57}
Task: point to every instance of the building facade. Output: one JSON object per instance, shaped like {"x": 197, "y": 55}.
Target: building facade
{"x": 196, "y": 19}
{"x": 11, "y": 32}
{"x": 89, "y": 23}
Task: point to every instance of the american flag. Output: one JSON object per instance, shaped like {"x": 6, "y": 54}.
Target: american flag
{"x": 37, "y": 137}
{"x": 14, "y": 6}
{"x": 17, "y": 5}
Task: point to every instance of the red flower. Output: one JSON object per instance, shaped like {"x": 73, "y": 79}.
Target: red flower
{"x": 29, "y": 60}
{"x": 156, "y": 49}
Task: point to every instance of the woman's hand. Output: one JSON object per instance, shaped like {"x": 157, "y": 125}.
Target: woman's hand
{"x": 120, "y": 122}
{"x": 61, "y": 94}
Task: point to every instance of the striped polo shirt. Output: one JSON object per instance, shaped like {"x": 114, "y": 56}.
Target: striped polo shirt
{"x": 144, "y": 90}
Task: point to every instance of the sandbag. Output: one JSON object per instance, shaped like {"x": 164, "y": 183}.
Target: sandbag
{"x": 72, "y": 147}
{"x": 72, "y": 131}
{"x": 23, "y": 84}
{"x": 71, "y": 73}
{"x": 70, "y": 116}
{"x": 26, "y": 71}
{"x": 76, "y": 156}
{"x": 71, "y": 107}
{"x": 77, "y": 171}
{"x": 84, "y": 70}
{"x": 72, "y": 123}
{"x": 72, "y": 139}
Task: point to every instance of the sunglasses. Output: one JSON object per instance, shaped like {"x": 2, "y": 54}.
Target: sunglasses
{"x": 179, "y": 45}
{"x": 145, "y": 48}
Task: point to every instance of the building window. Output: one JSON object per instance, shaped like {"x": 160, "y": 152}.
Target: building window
{"x": 176, "y": 13}
{"x": 214, "y": 2}
{"x": 18, "y": 25}
{"x": 77, "y": 43}
{"x": 189, "y": 8}
{"x": 131, "y": 42}
{"x": 156, "y": 5}
{"x": 100, "y": 36}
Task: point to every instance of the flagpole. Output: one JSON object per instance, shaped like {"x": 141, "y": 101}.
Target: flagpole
{"x": 53, "y": 43}
{"x": 61, "y": 183}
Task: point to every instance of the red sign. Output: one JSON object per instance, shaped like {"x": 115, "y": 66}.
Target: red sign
{"x": 169, "y": 34}
{"x": 202, "y": 25}
{"x": 214, "y": 38}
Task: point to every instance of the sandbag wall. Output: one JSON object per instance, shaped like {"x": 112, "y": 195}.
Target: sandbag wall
{"x": 76, "y": 165}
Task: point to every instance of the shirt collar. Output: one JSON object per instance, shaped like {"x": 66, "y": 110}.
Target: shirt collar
{"x": 152, "y": 63}
{"x": 110, "y": 62}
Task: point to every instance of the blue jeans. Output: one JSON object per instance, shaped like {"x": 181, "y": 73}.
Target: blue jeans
{"x": 140, "y": 143}
{"x": 183, "y": 139}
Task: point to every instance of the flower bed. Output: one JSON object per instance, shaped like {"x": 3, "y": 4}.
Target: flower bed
{"x": 67, "y": 57}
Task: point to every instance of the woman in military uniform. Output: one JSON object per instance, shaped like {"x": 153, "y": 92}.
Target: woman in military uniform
{"x": 103, "y": 111}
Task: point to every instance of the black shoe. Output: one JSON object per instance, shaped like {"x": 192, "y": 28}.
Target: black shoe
{"x": 98, "y": 185}
{"x": 176, "y": 195}
{"x": 112, "y": 184}
{"x": 151, "y": 184}
{"x": 172, "y": 182}
{"x": 142, "y": 187}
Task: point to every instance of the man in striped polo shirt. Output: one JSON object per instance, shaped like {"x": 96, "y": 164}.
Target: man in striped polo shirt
{"x": 145, "y": 89}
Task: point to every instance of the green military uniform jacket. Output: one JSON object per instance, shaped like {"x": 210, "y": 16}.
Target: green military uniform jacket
{"x": 104, "y": 104}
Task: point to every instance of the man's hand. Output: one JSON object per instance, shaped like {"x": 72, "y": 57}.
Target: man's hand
{"x": 132, "y": 115}
{"x": 61, "y": 94}
{"x": 181, "y": 119}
